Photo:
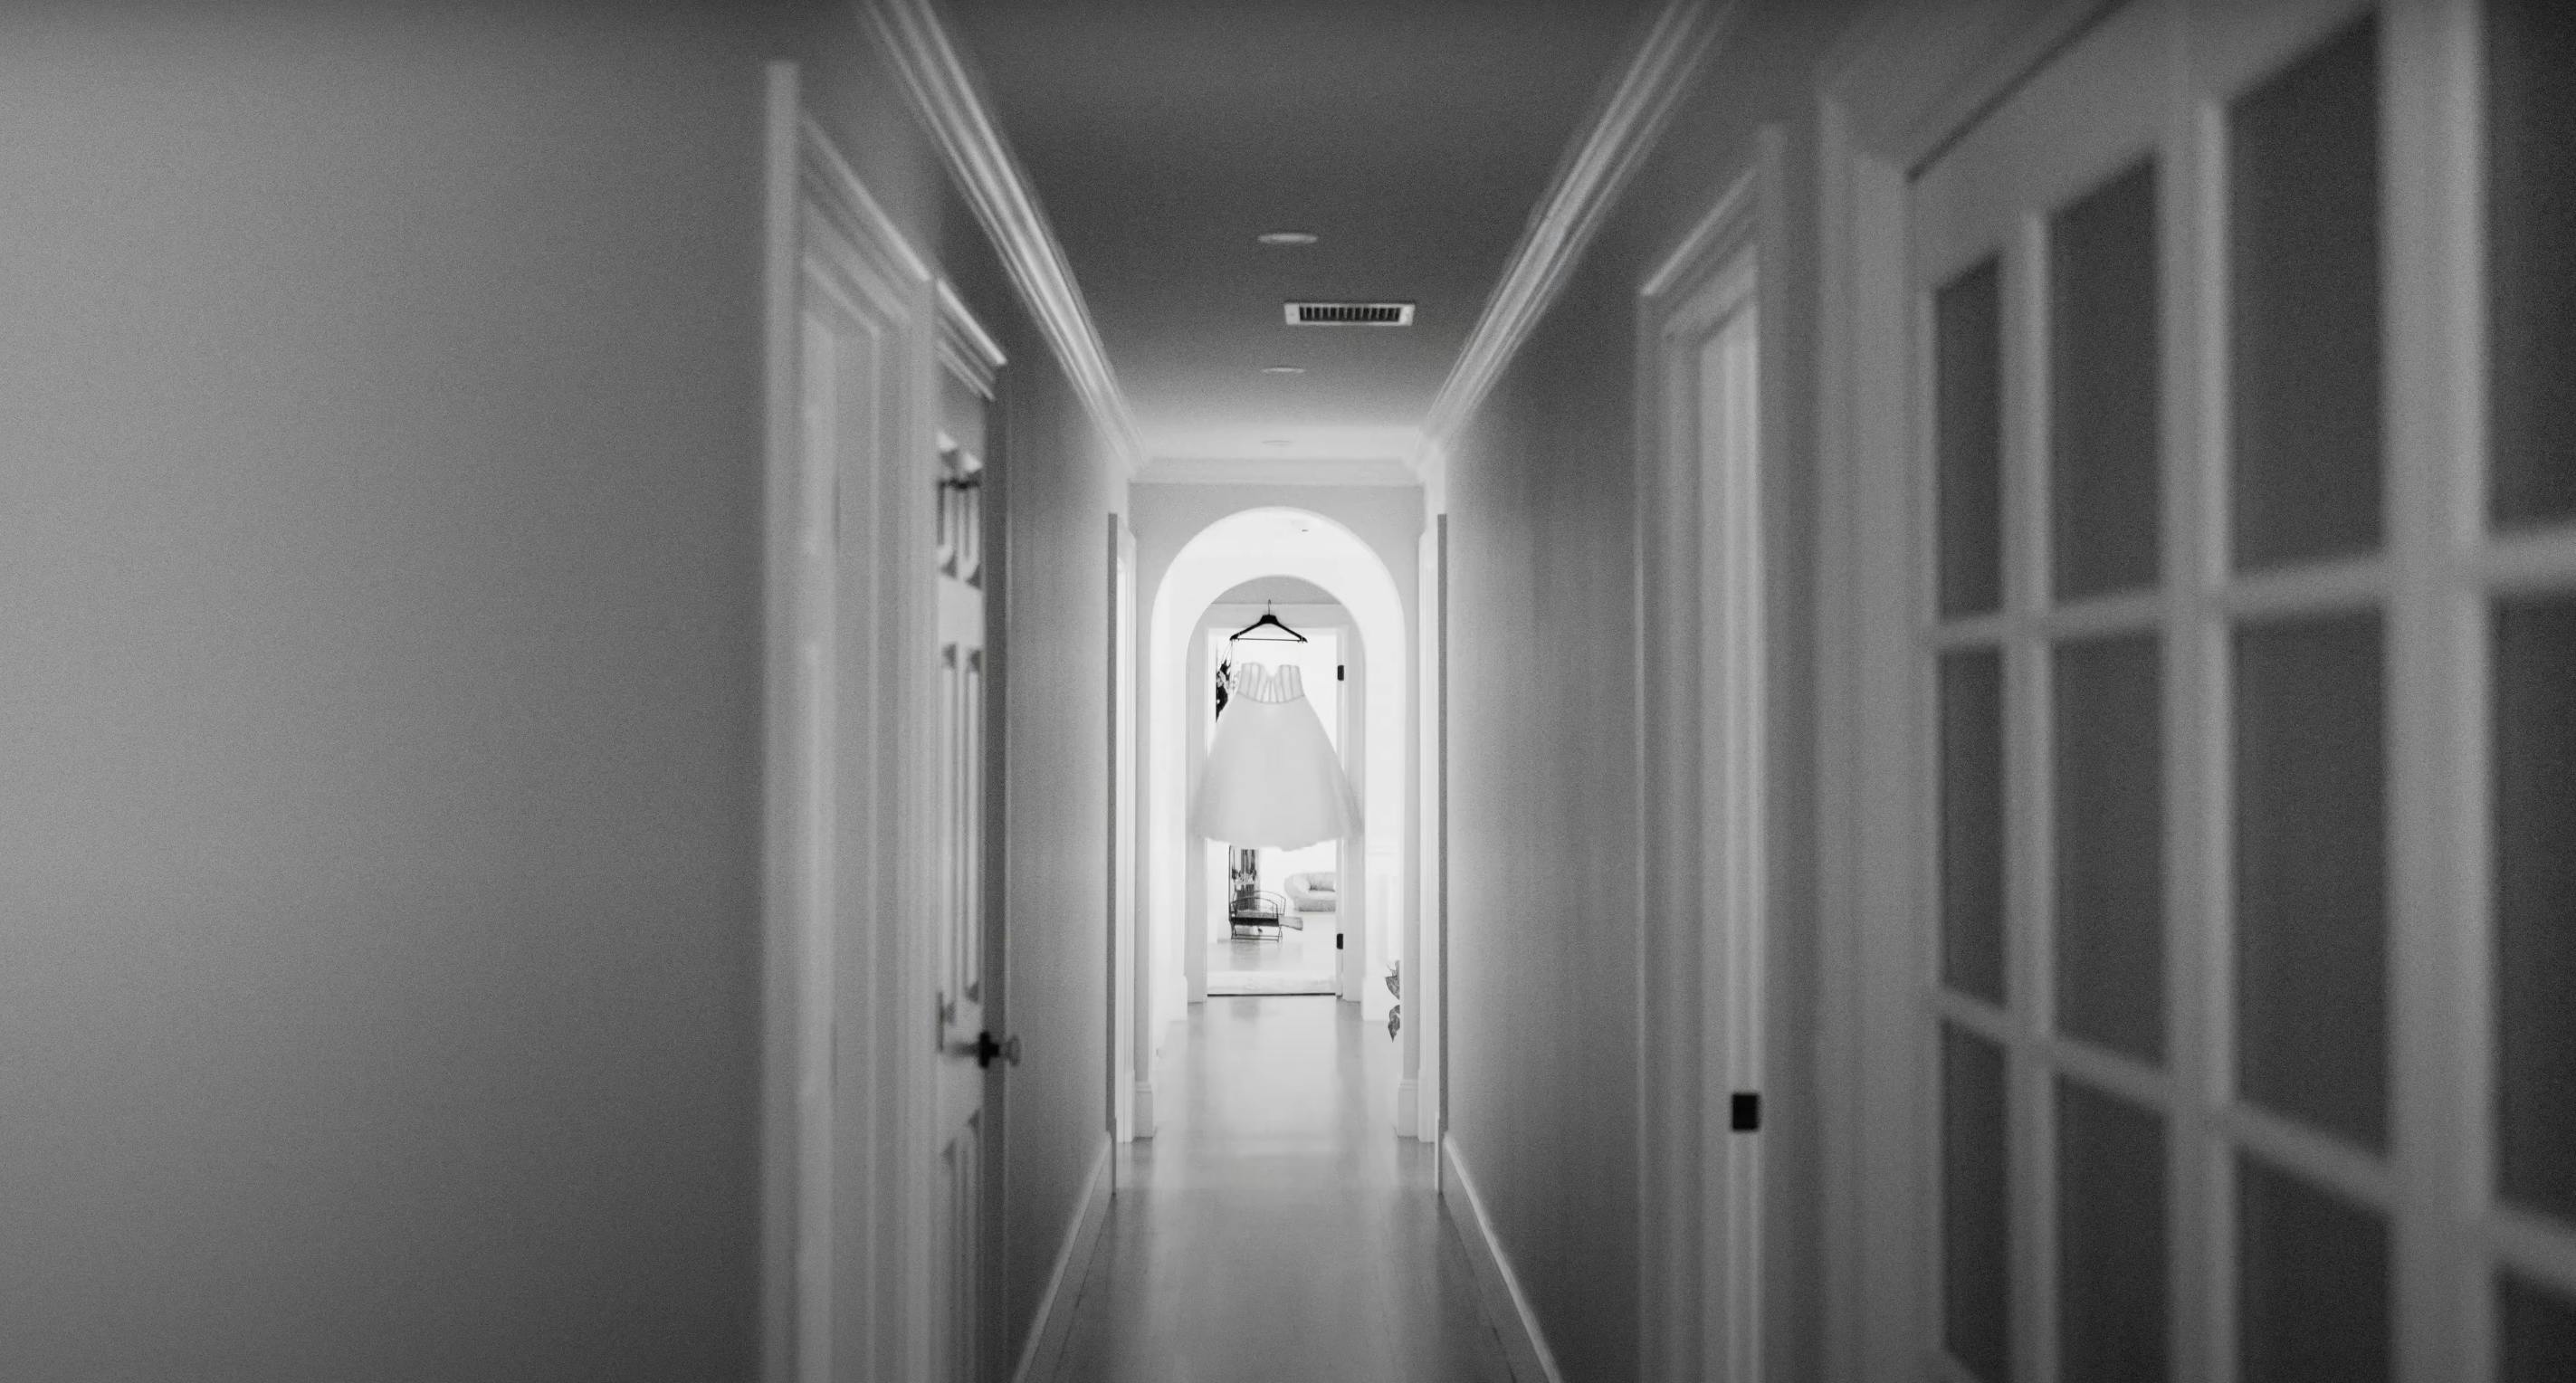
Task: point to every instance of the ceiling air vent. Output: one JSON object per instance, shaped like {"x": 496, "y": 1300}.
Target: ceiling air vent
{"x": 1350, "y": 314}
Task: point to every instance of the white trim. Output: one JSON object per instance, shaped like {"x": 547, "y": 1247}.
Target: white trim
{"x": 1908, "y": 76}
{"x": 964, "y": 345}
{"x": 1131, "y": 953}
{"x": 1423, "y": 967}
{"x": 1507, "y": 1307}
{"x": 848, "y": 1157}
{"x": 1144, "y": 1093}
{"x": 779, "y": 860}
{"x": 1718, "y": 233}
{"x": 1169, "y": 470}
{"x": 1626, "y": 119}
{"x": 1904, "y": 78}
{"x": 944, "y": 96}
{"x": 1052, "y": 1327}
{"x": 1706, "y": 512}
{"x": 827, "y": 181}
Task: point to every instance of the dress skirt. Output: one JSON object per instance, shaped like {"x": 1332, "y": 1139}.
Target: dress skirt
{"x": 1271, "y": 778}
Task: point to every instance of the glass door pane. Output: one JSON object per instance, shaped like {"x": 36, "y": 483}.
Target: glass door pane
{"x": 2538, "y": 1333}
{"x": 2110, "y": 1239}
{"x": 2105, "y": 394}
{"x": 1972, "y": 823}
{"x": 2303, "y": 265}
{"x": 1976, "y": 1206}
{"x": 2110, "y": 844}
{"x": 2312, "y": 1285}
{"x": 2531, "y": 258}
{"x": 1968, "y": 431}
{"x": 2311, "y": 874}
{"x": 2535, "y": 903}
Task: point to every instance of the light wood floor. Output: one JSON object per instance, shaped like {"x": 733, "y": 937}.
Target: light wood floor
{"x": 1294, "y": 962}
{"x": 1276, "y": 1230}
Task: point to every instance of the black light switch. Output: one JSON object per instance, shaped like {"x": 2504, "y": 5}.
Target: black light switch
{"x": 1745, "y": 1114}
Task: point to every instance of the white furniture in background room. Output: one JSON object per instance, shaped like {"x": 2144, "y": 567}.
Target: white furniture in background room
{"x": 1319, "y": 891}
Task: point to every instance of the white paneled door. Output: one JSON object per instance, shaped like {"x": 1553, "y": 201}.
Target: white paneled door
{"x": 885, "y": 1142}
{"x": 962, "y": 1208}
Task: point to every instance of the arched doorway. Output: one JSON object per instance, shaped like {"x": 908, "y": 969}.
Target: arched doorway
{"x": 1248, "y": 544}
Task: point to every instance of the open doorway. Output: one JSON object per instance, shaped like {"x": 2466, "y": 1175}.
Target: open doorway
{"x": 1326, "y": 917}
{"x": 1270, "y": 915}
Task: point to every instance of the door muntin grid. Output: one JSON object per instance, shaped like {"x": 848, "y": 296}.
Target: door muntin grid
{"x": 2283, "y": 619}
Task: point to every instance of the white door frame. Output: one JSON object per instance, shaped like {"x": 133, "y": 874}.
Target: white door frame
{"x": 1905, "y": 79}
{"x": 1708, "y": 399}
{"x": 1419, "y": 1110}
{"x": 1131, "y": 1042}
{"x": 847, "y": 1081}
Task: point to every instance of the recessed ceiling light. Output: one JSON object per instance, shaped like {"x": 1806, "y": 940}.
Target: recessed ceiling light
{"x": 1277, "y": 442}
{"x": 1283, "y": 369}
{"x": 1287, "y": 238}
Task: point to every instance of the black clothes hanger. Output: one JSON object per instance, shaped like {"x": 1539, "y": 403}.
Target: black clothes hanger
{"x": 1267, "y": 620}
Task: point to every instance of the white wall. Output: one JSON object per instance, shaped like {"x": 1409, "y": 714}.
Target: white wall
{"x": 1545, "y": 939}
{"x": 379, "y": 685}
{"x": 1386, "y": 517}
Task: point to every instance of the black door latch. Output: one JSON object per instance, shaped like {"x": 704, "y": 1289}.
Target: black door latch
{"x": 986, "y": 1049}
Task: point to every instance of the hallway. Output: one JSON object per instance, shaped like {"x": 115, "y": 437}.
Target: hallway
{"x": 1271, "y": 1231}
{"x": 1953, "y": 622}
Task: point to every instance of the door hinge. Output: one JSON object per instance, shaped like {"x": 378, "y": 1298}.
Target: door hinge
{"x": 1341, "y": 672}
{"x": 1744, "y": 1114}
{"x": 1337, "y": 941}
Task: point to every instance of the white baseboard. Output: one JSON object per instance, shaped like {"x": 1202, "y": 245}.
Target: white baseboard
{"x": 1408, "y": 1108}
{"x": 1044, "y": 1351}
{"x": 1524, "y": 1346}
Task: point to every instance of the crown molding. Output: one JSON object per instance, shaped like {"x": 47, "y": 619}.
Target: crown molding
{"x": 964, "y": 346}
{"x": 945, "y": 99}
{"x": 1627, "y": 117}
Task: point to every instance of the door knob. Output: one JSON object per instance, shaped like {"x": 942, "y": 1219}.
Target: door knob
{"x": 984, "y": 1049}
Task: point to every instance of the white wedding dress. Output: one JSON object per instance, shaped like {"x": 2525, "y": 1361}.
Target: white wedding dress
{"x": 1271, "y": 778}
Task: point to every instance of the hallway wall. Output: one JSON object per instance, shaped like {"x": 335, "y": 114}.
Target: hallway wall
{"x": 1056, "y": 488}
{"x": 1166, "y": 516}
{"x": 1545, "y": 956}
{"x": 380, "y": 675}
{"x": 380, "y": 666}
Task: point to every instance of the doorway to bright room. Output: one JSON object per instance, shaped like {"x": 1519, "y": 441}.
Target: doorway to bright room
{"x": 1270, "y": 916}
{"x": 1315, "y": 574}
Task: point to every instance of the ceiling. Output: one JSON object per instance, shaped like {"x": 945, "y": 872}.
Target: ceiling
{"x": 1412, "y": 137}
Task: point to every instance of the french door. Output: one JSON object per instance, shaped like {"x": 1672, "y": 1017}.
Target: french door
{"x": 2245, "y": 645}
